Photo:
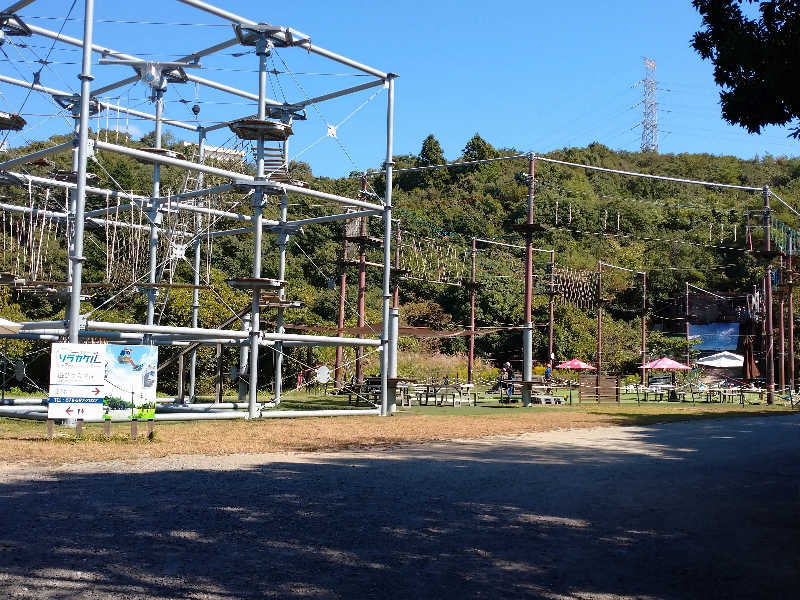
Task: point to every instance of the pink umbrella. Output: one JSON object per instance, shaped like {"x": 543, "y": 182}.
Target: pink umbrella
{"x": 576, "y": 365}
{"x": 666, "y": 364}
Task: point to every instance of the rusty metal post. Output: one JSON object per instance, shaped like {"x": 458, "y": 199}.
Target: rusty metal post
{"x": 782, "y": 339}
{"x": 362, "y": 287}
{"x": 337, "y": 368}
{"x": 599, "y": 331}
{"x": 551, "y": 308}
{"x": 686, "y": 319}
{"x": 770, "y": 327}
{"x": 644, "y": 326}
{"x": 791, "y": 317}
{"x": 398, "y": 240}
{"x": 471, "y": 355}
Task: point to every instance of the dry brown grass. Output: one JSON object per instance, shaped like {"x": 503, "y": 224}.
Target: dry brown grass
{"x": 24, "y": 442}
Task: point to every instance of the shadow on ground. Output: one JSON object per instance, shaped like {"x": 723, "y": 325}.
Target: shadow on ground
{"x": 705, "y": 509}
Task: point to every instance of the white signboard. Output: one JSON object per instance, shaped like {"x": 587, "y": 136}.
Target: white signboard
{"x": 98, "y": 381}
{"x": 77, "y": 381}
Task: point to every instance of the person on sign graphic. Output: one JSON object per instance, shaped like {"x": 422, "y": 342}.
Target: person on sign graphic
{"x": 126, "y": 359}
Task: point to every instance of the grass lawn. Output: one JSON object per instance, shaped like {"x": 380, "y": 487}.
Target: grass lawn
{"x": 24, "y": 441}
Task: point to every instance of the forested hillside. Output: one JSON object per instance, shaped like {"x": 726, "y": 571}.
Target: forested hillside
{"x": 673, "y": 231}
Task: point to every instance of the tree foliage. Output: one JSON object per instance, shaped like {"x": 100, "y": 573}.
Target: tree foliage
{"x": 755, "y": 60}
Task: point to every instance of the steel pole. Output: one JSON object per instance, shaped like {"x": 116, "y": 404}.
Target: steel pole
{"x": 152, "y": 292}
{"x": 362, "y": 286}
{"x": 387, "y": 404}
{"x": 644, "y": 326}
{"x": 201, "y": 150}
{"x": 770, "y": 356}
{"x": 527, "y": 331}
{"x": 76, "y": 258}
{"x": 471, "y": 355}
{"x": 258, "y": 211}
{"x": 283, "y": 237}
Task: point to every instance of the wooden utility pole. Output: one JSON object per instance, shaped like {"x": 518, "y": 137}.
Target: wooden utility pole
{"x": 337, "y": 369}
{"x": 686, "y": 319}
{"x": 551, "y": 307}
{"x": 599, "y": 331}
{"x": 770, "y": 356}
{"x": 644, "y": 327}
{"x": 471, "y": 354}
{"x": 791, "y": 317}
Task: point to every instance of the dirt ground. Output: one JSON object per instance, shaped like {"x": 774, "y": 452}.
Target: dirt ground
{"x": 24, "y": 441}
{"x": 702, "y": 509}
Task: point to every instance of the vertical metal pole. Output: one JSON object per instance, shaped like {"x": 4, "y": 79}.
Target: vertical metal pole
{"x": 644, "y": 326}
{"x": 283, "y": 238}
{"x": 362, "y": 287}
{"x": 258, "y": 217}
{"x": 791, "y": 317}
{"x": 386, "y": 403}
{"x": 337, "y": 369}
{"x": 471, "y": 355}
{"x": 181, "y": 387}
{"x": 686, "y": 323}
{"x": 218, "y": 378}
{"x": 551, "y": 308}
{"x": 599, "y": 331}
{"x": 73, "y": 197}
{"x": 76, "y": 258}
{"x": 527, "y": 330}
{"x": 770, "y": 357}
{"x": 781, "y": 340}
{"x": 201, "y": 155}
{"x": 152, "y": 292}
{"x": 244, "y": 356}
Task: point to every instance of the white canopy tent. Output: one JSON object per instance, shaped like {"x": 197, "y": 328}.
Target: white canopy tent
{"x": 722, "y": 360}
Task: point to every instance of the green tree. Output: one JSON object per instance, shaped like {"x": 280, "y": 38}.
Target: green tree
{"x": 754, "y": 60}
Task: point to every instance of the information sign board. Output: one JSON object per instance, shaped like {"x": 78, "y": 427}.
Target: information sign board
{"x": 77, "y": 381}
{"x": 102, "y": 381}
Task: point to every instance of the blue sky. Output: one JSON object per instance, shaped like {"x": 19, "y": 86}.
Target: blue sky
{"x": 528, "y": 75}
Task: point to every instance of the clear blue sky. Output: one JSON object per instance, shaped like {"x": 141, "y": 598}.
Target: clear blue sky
{"x": 528, "y": 75}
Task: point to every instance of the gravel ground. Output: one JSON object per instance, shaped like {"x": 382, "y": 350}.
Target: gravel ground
{"x": 705, "y": 509}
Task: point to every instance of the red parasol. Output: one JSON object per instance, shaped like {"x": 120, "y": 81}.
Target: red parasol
{"x": 576, "y": 365}
{"x": 666, "y": 364}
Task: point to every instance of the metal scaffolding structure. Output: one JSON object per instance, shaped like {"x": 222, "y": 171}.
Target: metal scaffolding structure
{"x": 272, "y": 124}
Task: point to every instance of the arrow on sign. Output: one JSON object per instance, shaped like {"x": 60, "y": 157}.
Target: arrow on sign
{"x": 96, "y": 391}
{"x": 69, "y": 410}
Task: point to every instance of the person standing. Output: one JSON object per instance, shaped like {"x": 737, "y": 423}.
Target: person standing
{"x": 509, "y": 380}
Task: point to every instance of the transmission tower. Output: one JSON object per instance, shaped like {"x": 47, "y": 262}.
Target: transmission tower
{"x": 650, "y": 103}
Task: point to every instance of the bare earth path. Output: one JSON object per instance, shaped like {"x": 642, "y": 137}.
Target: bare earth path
{"x": 705, "y": 509}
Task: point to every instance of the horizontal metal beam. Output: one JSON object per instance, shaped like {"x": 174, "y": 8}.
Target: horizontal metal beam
{"x": 223, "y": 232}
{"x": 53, "y": 35}
{"x": 18, "y": 6}
{"x": 166, "y": 160}
{"x": 34, "y": 155}
{"x": 329, "y": 218}
{"x": 103, "y": 104}
{"x": 35, "y": 211}
{"x": 332, "y": 95}
{"x": 234, "y": 18}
